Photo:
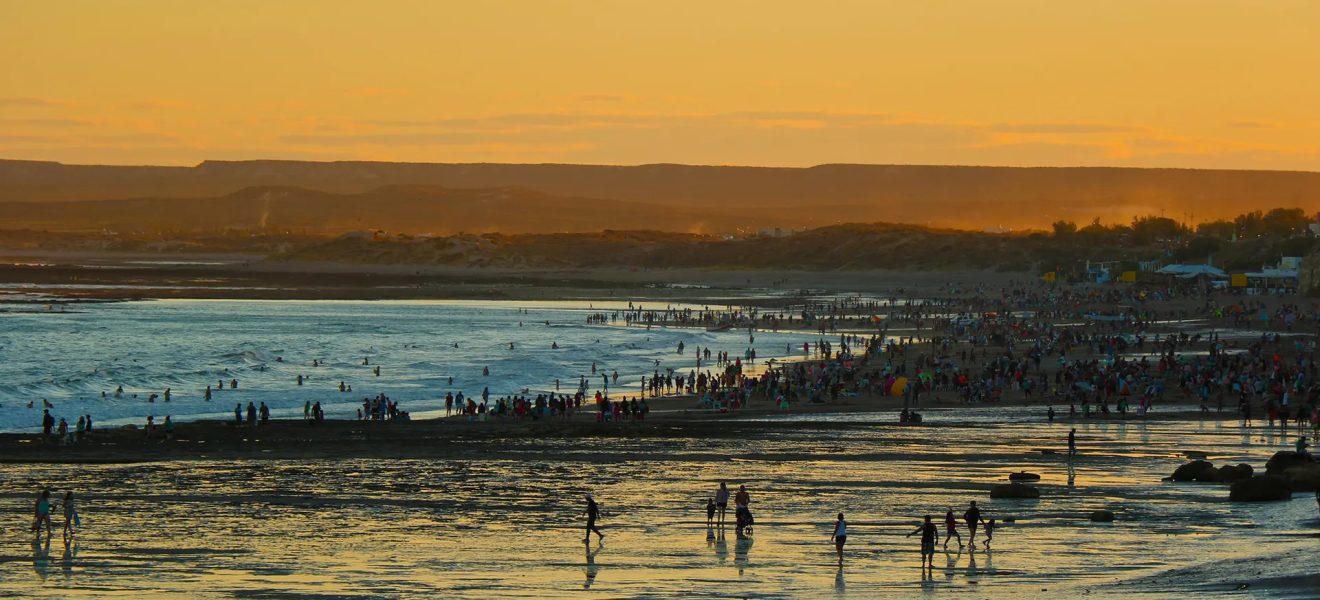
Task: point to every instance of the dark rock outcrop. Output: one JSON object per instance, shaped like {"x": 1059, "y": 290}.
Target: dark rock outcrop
{"x": 1230, "y": 473}
{"x": 1266, "y": 488}
{"x": 1287, "y": 459}
{"x": 1304, "y": 478}
{"x": 1014, "y": 490}
{"x": 1194, "y": 471}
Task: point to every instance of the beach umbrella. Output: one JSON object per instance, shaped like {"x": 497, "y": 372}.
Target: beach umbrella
{"x": 1123, "y": 388}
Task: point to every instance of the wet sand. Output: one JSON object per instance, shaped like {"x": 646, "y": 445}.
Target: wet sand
{"x": 439, "y": 438}
{"x": 500, "y": 516}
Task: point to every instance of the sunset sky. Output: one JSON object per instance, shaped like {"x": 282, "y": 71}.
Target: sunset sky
{"x": 1207, "y": 84}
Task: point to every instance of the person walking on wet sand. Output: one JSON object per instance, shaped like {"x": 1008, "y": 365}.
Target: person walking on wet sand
{"x": 42, "y": 514}
{"x": 1072, "y": 443}
{"x": 593, "y": 513}
{"x": 951, "y": 530}
{"x": 973, "y": 518}
{"x": 71, "y": 519}
{"x": 722, "y": 500}
{"x": 840, "y": 536}
{"x": 929, "y": 535}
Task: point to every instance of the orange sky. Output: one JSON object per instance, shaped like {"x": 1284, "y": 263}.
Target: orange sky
{"x": 1206, "y": 83}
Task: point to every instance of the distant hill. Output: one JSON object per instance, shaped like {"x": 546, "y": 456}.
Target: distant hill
{"x": 397, "y": 208}
{"x": 940, "y": 195}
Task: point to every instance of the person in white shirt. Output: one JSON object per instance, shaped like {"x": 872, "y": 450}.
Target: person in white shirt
{"x": 839, "y": 536}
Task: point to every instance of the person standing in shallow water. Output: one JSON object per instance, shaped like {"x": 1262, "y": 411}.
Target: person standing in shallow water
{"x": 593, "y": 513}
{"x": 71, "y": 515}
{"x": 840, "y": 536}
{"x": 951, "y": 530}
{"x": 42, "y": 514}
{"x": 722, "y": 500}
{"x": 973, "y": 518}
{"x": 929, "y": 535}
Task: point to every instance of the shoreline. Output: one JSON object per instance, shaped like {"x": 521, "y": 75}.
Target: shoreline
{"x": 455, "y": 437}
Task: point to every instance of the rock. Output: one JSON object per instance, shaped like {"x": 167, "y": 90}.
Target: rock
{"x": 1266, "y": 488}
{"x": 1195, "y": 454}
{"x": 1230, "y": 473}
{"x": 1304, "y": 478}
{"x": 1014, "y": 490}
{"x": 1102, "y": 516}
{"x": 1283, "y": 460}
{"x": 1210, "y": 475}
{"x": 1023, "y": 476}
{"x": 1193, "y": 471}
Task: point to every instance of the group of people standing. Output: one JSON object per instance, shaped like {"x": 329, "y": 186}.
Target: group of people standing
{"x": 717, "y": 508}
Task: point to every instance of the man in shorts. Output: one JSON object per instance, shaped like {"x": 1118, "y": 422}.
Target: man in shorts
{"x": 973, "y": 518}
{"x": 929, "y": 535}
{"x": 722, "y": 500}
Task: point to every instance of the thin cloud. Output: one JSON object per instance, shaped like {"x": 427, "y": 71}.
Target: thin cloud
{"x": 30, "y": 102}
{"x": 602, "y": 98}
{"x": 158, "y": 104}
{"x": 1066, "y": 128}
{"x": 48, "y": 123}
{"x": 1275, "y": 126}
{"x": 6, "y": 138}
{"x": 131, "y": 138}
{"x": 1252, "y": 125}
{"x": 377, "y": 92}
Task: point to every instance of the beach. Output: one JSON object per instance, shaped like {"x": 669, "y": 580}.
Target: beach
{"x": 486, "y": 505}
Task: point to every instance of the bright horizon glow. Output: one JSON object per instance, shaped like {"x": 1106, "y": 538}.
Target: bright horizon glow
{"x": 769, "y": 83}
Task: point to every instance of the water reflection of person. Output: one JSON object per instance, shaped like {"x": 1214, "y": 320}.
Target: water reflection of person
{"x": 591, "y": 569}
{"x": 41, "y": 558}
{"x": 741, "y": 551}
{"x": 66, "y": 564}
{"x": 838, "y": 582}
{"x": 721, "y": 547}
{"x": 952, "y": 561}
{"x": 971, "y": 565}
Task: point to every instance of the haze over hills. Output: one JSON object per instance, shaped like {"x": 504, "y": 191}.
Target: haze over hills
{"x": 938, "y": 195}
{"x": 396, "y": 208}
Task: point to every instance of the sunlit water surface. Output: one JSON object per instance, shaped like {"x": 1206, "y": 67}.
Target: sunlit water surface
{"x": 71, "y": 358}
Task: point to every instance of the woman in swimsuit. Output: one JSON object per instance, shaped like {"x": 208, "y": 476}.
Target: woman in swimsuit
{"x": 43, "y": 514}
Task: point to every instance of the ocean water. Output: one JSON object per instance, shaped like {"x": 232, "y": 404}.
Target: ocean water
{"x": 71, "y": 358}
{"x": 511, "y": 527}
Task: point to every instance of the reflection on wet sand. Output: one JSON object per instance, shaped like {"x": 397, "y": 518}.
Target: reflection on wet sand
{"x": 386, "y": 528}
{"x": 591, "y": 569}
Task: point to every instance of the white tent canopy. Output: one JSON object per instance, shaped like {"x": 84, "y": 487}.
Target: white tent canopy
{"x": 1189, "y": 271}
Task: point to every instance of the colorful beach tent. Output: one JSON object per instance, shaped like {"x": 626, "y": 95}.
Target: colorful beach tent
{"x": 899, "y": 385}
